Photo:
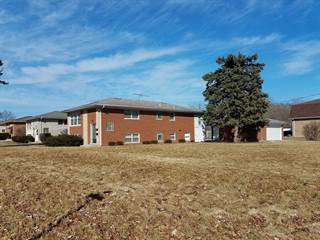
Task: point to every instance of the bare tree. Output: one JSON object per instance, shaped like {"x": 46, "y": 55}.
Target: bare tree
{"x": 1, "y": 73}
{"x": 6, "y": 115}
{"x": 279, "y": 111}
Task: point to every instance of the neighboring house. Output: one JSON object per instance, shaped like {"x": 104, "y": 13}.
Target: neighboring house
{"x": 2, "y": 129}
{"x": 302, "y": 114}
{"x": 54, "y": 123}
{"x": 133, "y": 121}
{"x": 273, "y": 131}
{"x": 15, "y": 127}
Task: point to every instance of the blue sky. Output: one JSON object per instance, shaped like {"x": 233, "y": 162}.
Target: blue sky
{"x": 60, "y": 54}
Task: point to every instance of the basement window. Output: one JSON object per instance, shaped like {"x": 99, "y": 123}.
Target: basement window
{"x": 173, "y": 136}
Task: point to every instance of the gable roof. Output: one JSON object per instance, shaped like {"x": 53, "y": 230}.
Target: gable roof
{"x": 55, "y": 115}
{"x": 310, "y": 109}
{"x": 16, "y": 120}
{"x": 121, "y": 103}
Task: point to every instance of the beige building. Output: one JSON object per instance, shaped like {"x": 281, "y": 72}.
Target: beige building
{"x": 54, "y": 123}
{"x": 302, "y": 114}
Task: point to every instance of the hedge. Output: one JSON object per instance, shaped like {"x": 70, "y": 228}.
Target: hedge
{"x": 168, "y": 141}
{"x": 115, "y": 143}
{"x": 182, "y": 140}
{"x": 63, "y": 140}
{"x": 43, "y": 136}
{"x": 150, "y": 142}
{"x": 4, "y": 136}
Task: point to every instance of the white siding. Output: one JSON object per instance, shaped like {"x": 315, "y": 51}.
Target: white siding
{"x": 198, "y": 129}
{"x": 35, "y": 128}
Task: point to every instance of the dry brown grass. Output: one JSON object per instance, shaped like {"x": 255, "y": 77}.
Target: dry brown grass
{"x": 179, "y": 191}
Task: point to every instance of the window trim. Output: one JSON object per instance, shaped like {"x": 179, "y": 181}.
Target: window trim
{"x": 159, "y": 114}
{"x": 131, "y": 118}
{"x": 74, "y": 120}
{"x": 175, "y": 136}
{"x": 174, "y": 117}
{"x": 159, "y": 133}
{"x": 139, "y": 139}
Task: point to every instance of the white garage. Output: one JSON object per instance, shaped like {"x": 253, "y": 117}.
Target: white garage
{"x": 274, "y": 130}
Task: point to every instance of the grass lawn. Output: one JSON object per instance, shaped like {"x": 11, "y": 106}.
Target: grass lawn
{"x": 178, "y": 191}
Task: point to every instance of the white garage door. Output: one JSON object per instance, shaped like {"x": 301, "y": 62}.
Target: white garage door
{"x": 274, "y": 133}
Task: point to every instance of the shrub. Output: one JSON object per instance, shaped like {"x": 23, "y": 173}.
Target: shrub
{"x": 43, "y": 136}
{"x": 63, "y": 140}
{"x": 4, "y": 136}
{"x": 111, "y": 143}
{"x": 20, "y": 139}
{"x": 182, "y": 140}
{"x": 168, "y": 141}
{"x": 150, "y": 142}
{"x": 30, "y": 138}
{"x": 119, "y": 143}
{"x": 311, "y": 131}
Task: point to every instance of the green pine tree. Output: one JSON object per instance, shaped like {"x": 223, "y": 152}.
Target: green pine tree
{"x": 235, "y": 97}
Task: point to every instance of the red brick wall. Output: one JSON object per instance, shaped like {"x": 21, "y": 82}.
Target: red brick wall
{"x": 19, "y": 129}
{"x": 262, "y": 134}
{"x": 148, "y": 126}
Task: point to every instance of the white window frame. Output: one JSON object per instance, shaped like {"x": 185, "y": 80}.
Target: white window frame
{"x": 45, "y": 131}
{"x": 174, "y": 136}
{"x": 159, "y": 116}
{"x": 110, "y": 130}
{"x": 75, "y": 119}
{"x": 131, "y": 115}
{"x": 131, "y": 137}
{"x": 189, "y": 137}
{"x": 159, "y": 134}
{"x": 174, "y": 116}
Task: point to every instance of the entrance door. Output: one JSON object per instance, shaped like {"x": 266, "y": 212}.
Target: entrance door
{"x": 93, "y": 136}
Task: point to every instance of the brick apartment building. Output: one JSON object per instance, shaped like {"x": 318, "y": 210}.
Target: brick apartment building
{"x": 133, "y": 121}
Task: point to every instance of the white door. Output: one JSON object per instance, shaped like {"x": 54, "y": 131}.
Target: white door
{"x": 187, "y": 137}
{"x": 274, "y": 134}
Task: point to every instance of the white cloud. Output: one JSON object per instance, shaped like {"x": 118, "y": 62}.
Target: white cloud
{"x": 257, "y": 40}
{"x": 54, "y": 72}
{"x": 303, "y": 56}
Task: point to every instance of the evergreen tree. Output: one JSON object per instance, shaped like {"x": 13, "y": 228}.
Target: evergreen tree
{"x": 234, "y": 95}
{"x": 1, "y": 73}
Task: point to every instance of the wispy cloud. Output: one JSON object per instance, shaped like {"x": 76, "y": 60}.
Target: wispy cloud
{"x": 53, "y": 72}
{"x": 257, "y": 40}
{"x": 303, "y": 56}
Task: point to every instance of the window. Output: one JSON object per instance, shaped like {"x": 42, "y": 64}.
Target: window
{"x": 45, "y": 130}
{"x": 131, "y": 115}
{"x": 110, "y": 126}
{"x": 172, "y": 136}
{"x": 159, "y": 116}
{"x": 187, "y": 137}
{"x": 61, "y": 122}
{"x": 172, "y": 116}
{"x": 159, "y": 137}
{"x": 75, "y": 119}
{"x": 132, "y": 138}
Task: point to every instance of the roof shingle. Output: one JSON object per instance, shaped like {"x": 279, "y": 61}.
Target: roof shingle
{"x": 310, "y": 109}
